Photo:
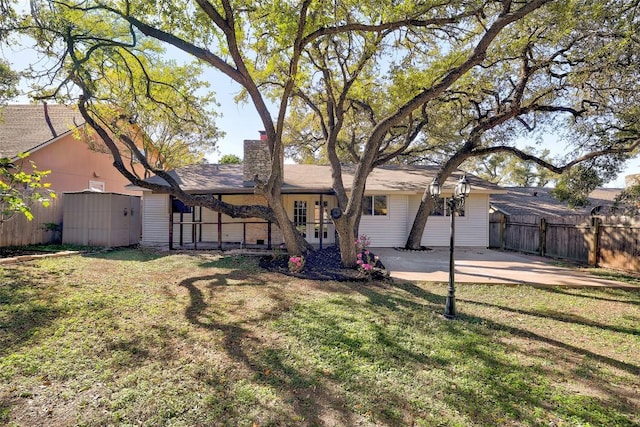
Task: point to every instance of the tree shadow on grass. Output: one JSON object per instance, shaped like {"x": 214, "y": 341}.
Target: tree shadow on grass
{"x": 265, "y": 360}
{"x": 557, "y": 316}
{"x": 336, "y": 359}
{"x": 576, "y": 293}
{"x": 510, "y": 386}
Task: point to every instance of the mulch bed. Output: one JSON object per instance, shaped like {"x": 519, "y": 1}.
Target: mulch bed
{"x": 324, "y": 264}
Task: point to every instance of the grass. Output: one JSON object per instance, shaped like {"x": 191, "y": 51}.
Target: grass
{"x": 135, "y": 337}
{"x": 615, "y": 275}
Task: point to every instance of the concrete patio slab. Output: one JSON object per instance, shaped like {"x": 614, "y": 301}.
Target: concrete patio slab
{"x": 478, "y": 265}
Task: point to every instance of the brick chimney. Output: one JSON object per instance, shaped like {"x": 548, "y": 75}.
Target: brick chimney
{"x": 257, "y": 160}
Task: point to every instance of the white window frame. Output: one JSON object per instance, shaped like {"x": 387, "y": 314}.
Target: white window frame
{"x": 373, "y": 210}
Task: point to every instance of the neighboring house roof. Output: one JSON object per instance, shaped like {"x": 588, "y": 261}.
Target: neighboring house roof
{"x": 227, "y": 179}
{"x": 25, "y": 128}
{"x": 539, "y": 201}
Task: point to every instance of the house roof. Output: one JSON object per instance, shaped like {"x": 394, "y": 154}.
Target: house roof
{"x": 25, "y": 128}
{"x": 539, "y": 201}
{"x": 227, "y": 179}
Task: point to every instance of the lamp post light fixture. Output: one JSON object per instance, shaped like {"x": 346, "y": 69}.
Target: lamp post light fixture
{"x": 454, "y": 204}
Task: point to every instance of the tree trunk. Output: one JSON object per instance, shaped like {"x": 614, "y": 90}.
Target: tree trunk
{"x": 296, "y": 244}
{"x": 426, "y": 204}
{"x": 346, "y": 238}
{"x": 414, "y": 240}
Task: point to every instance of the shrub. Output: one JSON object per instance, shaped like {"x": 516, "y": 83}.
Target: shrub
{"x": 296, "y": 264}
{"x": 366, "y": 260}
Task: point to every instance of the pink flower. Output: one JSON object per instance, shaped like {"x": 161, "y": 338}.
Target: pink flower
{"x": 359, "y": 255}
{"x": 359, "y": 262}
{"x": 366, "y": 252}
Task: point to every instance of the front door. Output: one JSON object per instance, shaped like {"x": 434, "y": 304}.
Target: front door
{"x": 312, "y": 221}
{"x": 301, "y": 217}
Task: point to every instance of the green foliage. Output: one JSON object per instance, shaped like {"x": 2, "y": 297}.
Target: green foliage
{"x": 628, "y": 201}
{"x": 137, "y": 90}
{"x": 574, "y": 186}
{"x": 8, "y": 83}
{"x": 230, "y": 159}
{"x": 19, "y": 190}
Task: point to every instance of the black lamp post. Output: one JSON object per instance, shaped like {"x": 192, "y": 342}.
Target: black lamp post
{"x": 455, "y": 204}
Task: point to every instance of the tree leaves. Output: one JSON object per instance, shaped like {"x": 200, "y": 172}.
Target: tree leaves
{"x": 19, "y": 190}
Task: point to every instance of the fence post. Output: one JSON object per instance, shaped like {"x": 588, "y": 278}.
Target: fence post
{"x": 542, "y": 247}
{"x": 503, "y": 228}
{"x": 594, "y": 241}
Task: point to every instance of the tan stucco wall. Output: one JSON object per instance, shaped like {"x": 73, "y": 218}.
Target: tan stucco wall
{"x": 73, "y": 164}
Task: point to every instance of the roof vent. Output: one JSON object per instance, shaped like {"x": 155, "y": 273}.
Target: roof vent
{"x": 535, "y": 194}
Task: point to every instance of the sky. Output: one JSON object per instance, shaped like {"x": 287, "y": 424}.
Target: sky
{"x": 241, "y": 121}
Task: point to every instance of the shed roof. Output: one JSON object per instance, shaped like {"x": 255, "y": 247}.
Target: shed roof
{"x": 539, "y": 201}
{"x": 25, "y": 128}
{"x": 227, "y": 179}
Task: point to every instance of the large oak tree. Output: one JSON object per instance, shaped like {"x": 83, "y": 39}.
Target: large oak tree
{"x": 373, "y": 80}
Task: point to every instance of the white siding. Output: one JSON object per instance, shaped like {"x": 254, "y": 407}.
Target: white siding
{"x": 155, "y": 219}
{"x": 384, "y": 231}
{"x": 389, "y": 230}
{"x": 471, "y": 230}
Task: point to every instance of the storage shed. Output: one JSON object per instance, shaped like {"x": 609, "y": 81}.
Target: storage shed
{"x": 101, "y": 219}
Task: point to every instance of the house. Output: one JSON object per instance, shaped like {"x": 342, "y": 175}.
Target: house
{"x": 57, "y": 139}
{"x": 391, "y": 201}
{"x": 539, "y": 201}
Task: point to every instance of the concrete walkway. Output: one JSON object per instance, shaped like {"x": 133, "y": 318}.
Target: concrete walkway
{"x": 477, "y": 265}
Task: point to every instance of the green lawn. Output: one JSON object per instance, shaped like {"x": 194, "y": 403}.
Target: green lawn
{"x": 134, "y": 337}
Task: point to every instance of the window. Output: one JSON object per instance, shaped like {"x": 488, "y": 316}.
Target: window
{"x": 441, "y": 208}
{"x": 97, "y": 186}
{"x": 374, "y": 205}
{"x": 300, "y": 216}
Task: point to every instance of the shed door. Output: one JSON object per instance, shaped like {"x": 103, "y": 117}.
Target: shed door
{"x": 135, "y": 221}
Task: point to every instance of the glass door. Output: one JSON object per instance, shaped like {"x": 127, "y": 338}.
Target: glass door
{"x": 300, "y": 216}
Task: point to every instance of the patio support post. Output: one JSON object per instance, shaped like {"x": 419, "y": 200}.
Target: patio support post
{"x": 193, "y": 227}
{"x": 321, "y": 210}
{"x": 171, "y": 222}
{"x": 219, "y": 225}
{"x": 200, "y": 226}
{"x": 181, "y": 228}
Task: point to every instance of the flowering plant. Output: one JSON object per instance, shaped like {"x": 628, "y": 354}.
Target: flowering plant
{"x": 296, "y": 264}
{"x": 366, "y": 261}
{"x": 278, "y": 251}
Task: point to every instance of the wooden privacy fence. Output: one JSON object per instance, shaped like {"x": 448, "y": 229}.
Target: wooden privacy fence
{"x": 19, "y": 231}
{"x": 605, "y": 241}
